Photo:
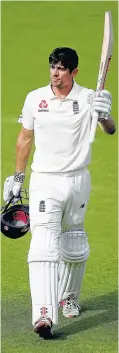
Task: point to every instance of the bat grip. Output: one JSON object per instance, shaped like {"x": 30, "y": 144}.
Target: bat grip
{"x": 93, "y": 127}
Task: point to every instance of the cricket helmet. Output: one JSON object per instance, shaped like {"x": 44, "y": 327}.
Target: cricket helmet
{"x": 15, "y": 221}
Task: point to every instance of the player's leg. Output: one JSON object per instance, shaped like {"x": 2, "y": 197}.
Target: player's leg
{"x": 43, "y": 277}
{"x": 43, "y": 257}
{"x": 74, "y": 251}
{"x": 74, "y": 247}
{"x": 70, "y": 282}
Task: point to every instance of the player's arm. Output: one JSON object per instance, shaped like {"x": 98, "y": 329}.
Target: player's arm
{"x": 25, "y": 137}
{"x": 23, "y": 149}
{"x": 13, "y": 184}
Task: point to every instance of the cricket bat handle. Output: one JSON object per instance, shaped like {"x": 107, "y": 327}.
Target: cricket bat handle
{"x": 93, "y": 127}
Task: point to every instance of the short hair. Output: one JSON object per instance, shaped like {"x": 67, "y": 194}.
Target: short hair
{"x": 67, "y": 56}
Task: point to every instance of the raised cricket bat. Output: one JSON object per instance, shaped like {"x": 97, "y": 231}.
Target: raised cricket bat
{"x": 104, "y": 65}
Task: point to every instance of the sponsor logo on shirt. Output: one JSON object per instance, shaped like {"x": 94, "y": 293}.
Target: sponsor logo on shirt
{"x": 43, "y": 106}
{"x": 75, "y": 107}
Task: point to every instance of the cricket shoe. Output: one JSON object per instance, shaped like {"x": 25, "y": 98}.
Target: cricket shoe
{"x": 44, "y": 327}
{"x": 70, "y": 308}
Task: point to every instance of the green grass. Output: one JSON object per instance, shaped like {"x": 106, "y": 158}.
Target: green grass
{"x": 30, "y": 31}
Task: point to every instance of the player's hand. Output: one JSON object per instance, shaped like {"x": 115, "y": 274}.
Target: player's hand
{"x": 12, "y": 186}
{"x": 102, "y": 104}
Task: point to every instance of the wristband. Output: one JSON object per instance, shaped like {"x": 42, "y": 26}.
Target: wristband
{"x": 19, "y": 177}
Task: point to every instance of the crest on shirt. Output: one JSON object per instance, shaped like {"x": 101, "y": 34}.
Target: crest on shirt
{"x": 75, "y": 107}
{"x": 43, "y": 106}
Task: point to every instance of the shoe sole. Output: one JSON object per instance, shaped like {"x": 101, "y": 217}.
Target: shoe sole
{"x": 70, "y": 316}
{"x": 43, "y": 330}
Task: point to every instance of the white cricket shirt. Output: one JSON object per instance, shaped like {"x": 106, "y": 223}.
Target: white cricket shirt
{"x": 61, "y": 129}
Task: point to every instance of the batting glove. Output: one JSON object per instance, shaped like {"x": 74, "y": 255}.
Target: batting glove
{"x": 101, "y": 104}
{"x": 12, "y": 186}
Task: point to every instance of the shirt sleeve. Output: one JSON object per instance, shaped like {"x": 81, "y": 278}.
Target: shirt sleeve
{"x": 26, "y": 117}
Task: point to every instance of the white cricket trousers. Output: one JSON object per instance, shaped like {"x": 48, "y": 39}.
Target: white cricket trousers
{"x": 58, "y": 201}
{"x": 57, "y": 204}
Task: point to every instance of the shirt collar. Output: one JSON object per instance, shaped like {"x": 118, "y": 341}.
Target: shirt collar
{"x": 71, "y": 96}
